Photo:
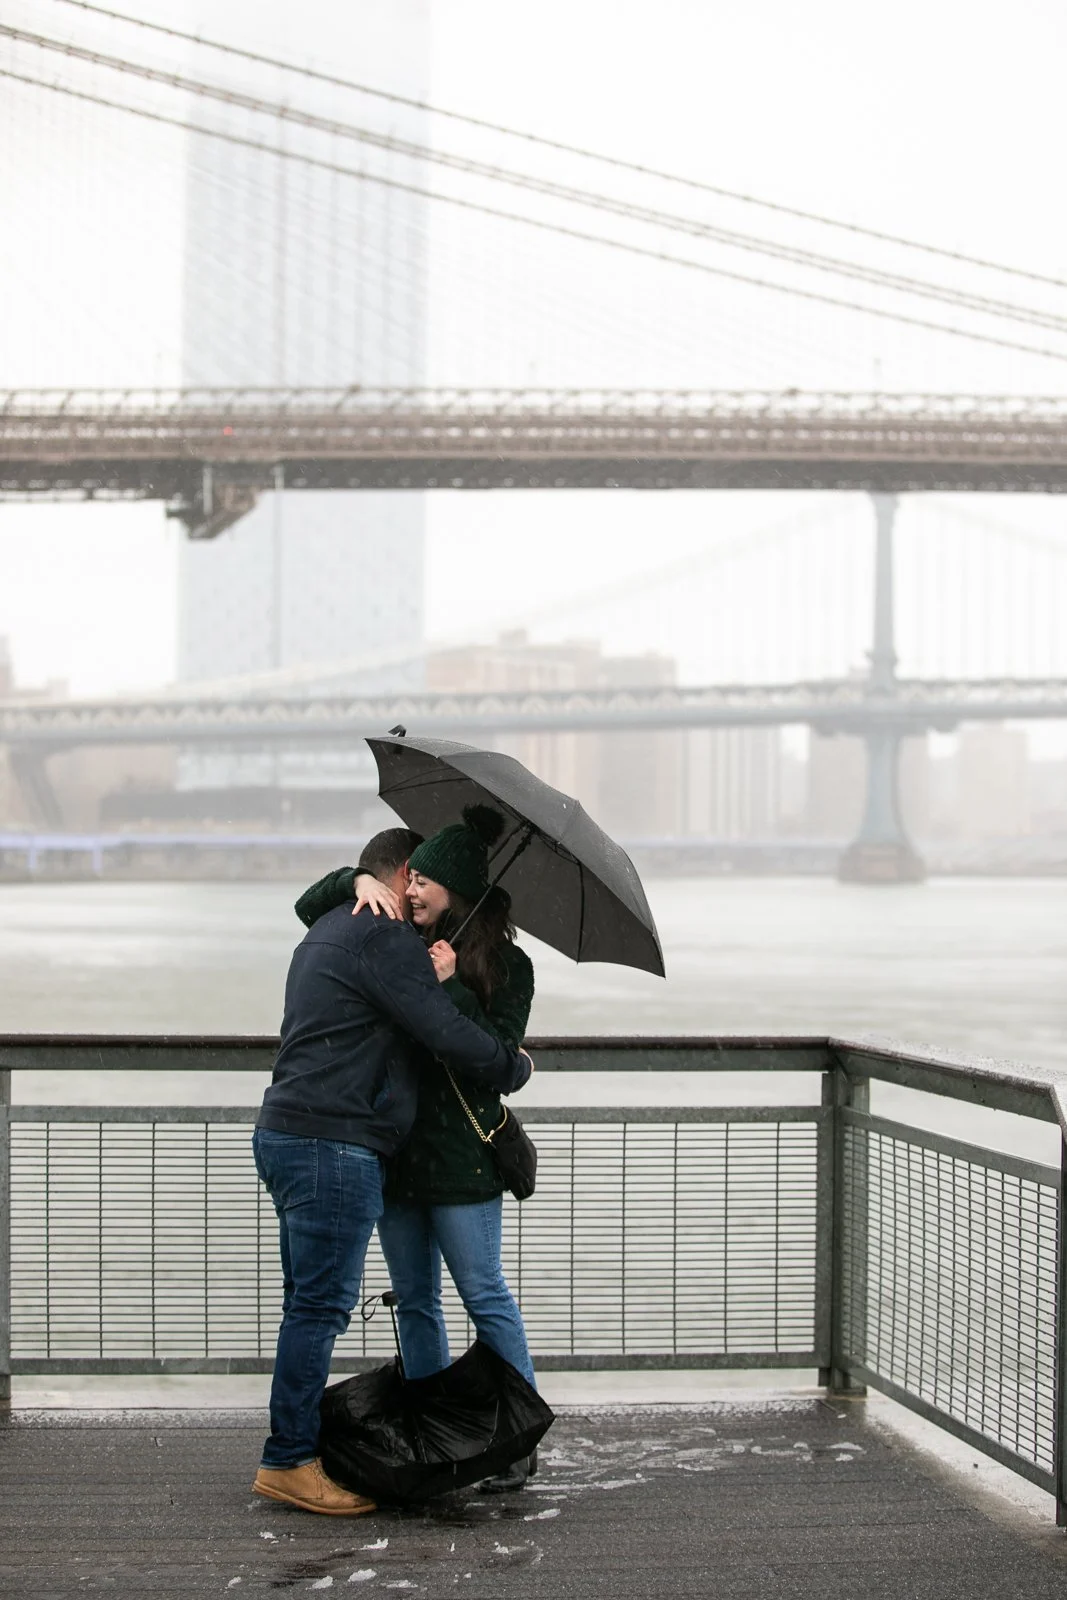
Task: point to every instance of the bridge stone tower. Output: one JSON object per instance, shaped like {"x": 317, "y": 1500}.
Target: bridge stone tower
{"x": 882, "y": 852}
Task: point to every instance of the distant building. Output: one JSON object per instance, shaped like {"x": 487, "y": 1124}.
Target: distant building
{"x": 1048, "y": 796}
{"x": 639, "y": 768}
{"x": 296, "y": 277}
{"x": 626, "y": 780}
{"x": 792, "y": 791}
{"x": 10, "y": 799}
{"x": 837, "y": 769}
{"x": 916, "y": 786}
{"x": 992, "y": 788}
{"x": 637, "y": 783}
{"x": 566, "y": 760}
{"x": 731, "y": 783}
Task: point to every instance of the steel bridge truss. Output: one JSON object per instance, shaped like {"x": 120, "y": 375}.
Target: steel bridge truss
{"x": 833, "y": 706}
{"x": 209, "y": 452}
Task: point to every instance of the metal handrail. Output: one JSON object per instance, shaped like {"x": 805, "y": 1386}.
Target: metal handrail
{"x": 1000, "y": 1085}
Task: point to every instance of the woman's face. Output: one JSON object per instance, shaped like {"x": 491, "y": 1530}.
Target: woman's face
{"x": 429, "y": 900}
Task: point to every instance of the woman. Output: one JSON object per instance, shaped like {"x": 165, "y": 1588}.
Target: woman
{"x": 443, "y": 1193}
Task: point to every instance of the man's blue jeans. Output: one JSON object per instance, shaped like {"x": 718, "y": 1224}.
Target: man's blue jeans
{"x": 414, "y": 1239}
{"x": 328, "y": 1197}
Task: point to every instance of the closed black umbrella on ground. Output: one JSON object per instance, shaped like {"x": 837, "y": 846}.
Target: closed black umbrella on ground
{"x": 403, "y": 1441}
{"x": 570, "y": 884}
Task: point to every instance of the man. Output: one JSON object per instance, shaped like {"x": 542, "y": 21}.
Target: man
{"x": 362, "y": 1002}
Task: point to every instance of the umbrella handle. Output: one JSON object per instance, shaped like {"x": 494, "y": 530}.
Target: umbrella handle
{"x": 523, "y": 844}
{"x": 389, "y": 1298}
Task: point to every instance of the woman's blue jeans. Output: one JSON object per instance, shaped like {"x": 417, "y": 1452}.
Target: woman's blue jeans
{"x": 328, "y": 1196}
{"x": 414, "y": 1239}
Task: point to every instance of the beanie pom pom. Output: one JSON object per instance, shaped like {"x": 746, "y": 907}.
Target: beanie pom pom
{"x": 487, "y": 823}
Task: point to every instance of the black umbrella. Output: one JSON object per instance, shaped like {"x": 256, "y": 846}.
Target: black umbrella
{"x": 402, "y": 1440}
{"x": 570, "y": 885}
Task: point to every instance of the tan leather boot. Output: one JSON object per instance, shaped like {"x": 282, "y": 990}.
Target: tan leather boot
{"x": 309, "y": 1488}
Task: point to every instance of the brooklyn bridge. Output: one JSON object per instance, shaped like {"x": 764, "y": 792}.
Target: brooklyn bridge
{"x": 209, "y": 453}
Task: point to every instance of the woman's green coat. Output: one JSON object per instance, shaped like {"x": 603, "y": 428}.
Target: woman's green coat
{"x": 444, "y": 1162}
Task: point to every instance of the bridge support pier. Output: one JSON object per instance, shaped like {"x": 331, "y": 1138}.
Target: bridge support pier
{"x": 882, "y": 852}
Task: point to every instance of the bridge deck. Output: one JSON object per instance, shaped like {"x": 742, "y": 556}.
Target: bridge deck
{"x": 210, "y": 452}
{"x": 835, "y": 705}
{"x": 793, "y": 1497}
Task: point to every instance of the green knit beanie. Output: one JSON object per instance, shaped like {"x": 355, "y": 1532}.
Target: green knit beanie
{"x": 458, "y": 856}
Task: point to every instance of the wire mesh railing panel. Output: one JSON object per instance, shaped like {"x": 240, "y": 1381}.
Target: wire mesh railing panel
{"x": 137, "y": 1239}
{"x": 151, "y": 1240}
{"x": 655, "y": 1239}
{"x": 949, "y": 1281}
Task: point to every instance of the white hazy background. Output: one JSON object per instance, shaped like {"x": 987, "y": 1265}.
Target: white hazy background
{"x": 935, "y": 121}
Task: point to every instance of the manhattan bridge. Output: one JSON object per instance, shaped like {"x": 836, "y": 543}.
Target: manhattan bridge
{"x": 869, "y": 623}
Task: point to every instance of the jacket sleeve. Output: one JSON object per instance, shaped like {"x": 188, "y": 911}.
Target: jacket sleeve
{"x": 331, "y": 891}
{"x": 398, "y": 978}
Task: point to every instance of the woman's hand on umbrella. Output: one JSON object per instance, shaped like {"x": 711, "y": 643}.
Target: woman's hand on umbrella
{"x": 380, "y": 898}
{"x": 444, "y": 960}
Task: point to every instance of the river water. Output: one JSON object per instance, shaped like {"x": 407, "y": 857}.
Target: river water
{"x": 978, "y": 965}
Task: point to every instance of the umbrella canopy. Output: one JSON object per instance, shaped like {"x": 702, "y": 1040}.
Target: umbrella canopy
{"x": 401, "y": 1441}
{"x": 570, "y": 884}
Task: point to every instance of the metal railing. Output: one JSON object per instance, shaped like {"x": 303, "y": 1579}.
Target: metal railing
{"x": 137, "y": 1239}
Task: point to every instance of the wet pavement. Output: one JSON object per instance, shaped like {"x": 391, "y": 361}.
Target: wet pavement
{"x": 789, "y": 1497}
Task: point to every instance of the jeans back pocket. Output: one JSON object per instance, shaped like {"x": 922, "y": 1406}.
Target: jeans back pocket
{"x": 288, "y": 1165}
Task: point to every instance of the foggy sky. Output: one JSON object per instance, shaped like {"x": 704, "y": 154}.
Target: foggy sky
{"x": 933, "y": 120}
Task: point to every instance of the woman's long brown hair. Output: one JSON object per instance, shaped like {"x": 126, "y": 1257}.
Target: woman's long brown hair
{"x": 479, "y": 959}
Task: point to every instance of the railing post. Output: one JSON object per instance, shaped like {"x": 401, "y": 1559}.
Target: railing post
{"x": 5, "y": 1240}
{"x": 825, "y": 1214}
{"x": 848, "y": 1271}
{"x": 1060, "y": 1343}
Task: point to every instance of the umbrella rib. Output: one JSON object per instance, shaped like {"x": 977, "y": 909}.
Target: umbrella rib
{"x": 424, "y": 780}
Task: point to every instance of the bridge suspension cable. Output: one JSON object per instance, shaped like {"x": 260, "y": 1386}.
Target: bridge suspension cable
{"x": 543, "y": 225}
{"x": 978, "y": 596}
{"x": 562, "y": 147}
{"x": 612, "y": 205}
{"x": 1047, "y": 543}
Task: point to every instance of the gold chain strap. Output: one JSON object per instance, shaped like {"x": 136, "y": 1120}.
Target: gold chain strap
{"x": 486, "y": 1138}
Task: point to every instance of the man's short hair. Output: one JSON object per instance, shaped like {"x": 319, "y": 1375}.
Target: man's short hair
{"x": 387, "y": 852}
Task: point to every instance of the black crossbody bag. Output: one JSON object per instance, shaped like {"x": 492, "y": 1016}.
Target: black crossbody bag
{"x": 512, "y": 1148}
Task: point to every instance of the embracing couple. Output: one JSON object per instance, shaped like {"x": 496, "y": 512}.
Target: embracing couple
{"x": 386, "y": 1026}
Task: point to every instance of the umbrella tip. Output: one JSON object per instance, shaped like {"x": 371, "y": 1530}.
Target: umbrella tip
{"x": 400, "y": 731}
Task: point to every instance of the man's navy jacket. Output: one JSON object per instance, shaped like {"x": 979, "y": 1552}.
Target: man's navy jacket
{"x": 362, "y": 1007}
